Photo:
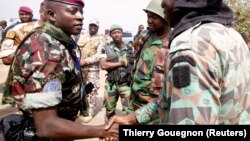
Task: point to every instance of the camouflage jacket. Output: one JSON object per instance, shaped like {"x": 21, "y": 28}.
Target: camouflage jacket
{"x": 91, "y": 49}
{"x": 158, "y": 71}
{"x": 143, "y": 72}
{"x": 14, "y": 37}
{"x": 45, "y": 73}
{"x": 207, "y": 76}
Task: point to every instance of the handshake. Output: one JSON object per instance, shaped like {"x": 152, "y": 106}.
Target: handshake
{"x": 111, "y": 128}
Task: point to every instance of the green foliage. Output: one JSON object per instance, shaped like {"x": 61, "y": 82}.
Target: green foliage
{"x": 241, "y": 14}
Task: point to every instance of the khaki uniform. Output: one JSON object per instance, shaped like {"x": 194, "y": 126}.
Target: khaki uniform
{"x": 91, "y": 50}
{"x": 15, "y": 36}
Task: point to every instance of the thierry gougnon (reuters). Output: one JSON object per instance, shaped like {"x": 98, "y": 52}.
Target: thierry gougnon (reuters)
{"x": 183, "y": 134}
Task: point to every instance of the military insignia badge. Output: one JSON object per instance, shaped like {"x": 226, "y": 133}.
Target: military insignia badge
{"x": 10, "y": 34}
{"x": 53, "y": 85}
{"x": 181, "y": 76}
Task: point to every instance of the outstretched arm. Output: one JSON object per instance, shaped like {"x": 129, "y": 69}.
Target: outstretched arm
{"x": 123, "y": 120}
{"x": 143, "y": 115}
{"x": 50, "y": 125}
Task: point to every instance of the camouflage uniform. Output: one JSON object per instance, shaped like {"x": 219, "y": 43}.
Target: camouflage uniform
{"x": 91, "y": 50}
{"x": 118, "y": 80}
{"x": 10, "y": 43}
{"x": 146, "y": 82}
{"x": 207, "y": 79}
{"x": 45, "y": 75}
{"x": 142, "y": 91}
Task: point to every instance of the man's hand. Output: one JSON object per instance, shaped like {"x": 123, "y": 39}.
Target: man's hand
{"x": 8, "y": 60}
{"x": 111, "y": 134}
{"x": 123, "y": 120}
{"x": 123, "y": 60}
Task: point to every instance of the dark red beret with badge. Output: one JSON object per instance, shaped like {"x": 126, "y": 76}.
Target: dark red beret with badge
{"x": 71, "y": 2}
{"x": 26, "y": 9}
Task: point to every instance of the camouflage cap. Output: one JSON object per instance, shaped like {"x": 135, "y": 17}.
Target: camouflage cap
{"x": 79, "y": 3}
{"x": 114, "y": 26}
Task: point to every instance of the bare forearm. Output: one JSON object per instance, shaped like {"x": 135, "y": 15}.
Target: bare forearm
{"x": 110, "y": 66}
{"x": 106, "y": 65}
{"x": 49, "y": 125}
{"x": 65, "y": 129}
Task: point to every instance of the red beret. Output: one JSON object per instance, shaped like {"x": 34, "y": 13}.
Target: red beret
{"x": 71, "y": 2}
{"x": 25, "y": 9}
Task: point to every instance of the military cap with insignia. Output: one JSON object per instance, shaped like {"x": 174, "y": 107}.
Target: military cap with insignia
{"x": 71, "y": 2}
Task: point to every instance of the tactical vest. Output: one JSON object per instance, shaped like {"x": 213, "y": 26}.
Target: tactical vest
{"x": 90, "y": 45}
{"x": 120, "y": 75}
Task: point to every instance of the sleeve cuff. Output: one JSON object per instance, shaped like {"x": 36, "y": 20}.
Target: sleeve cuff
{"x": 41, "y": 100}
{"x": 147, "y": 113}
{"x": 6, "y": 53}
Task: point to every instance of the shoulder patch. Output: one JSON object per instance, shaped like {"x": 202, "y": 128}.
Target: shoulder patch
{"x": 53, "y": 85}
{"x": 181, "y": 76}
{"x": 11, "y": 34}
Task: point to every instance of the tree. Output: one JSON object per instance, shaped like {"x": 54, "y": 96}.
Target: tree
{"x": 241, "y": 11}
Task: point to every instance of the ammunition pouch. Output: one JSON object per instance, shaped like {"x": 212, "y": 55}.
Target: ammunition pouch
{"x": 119, "y": 76}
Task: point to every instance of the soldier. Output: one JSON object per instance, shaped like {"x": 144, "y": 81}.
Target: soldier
{"x": 13, "y": 39}
{"x": 107, "y": 36}
{"x": 47, "y": 82}
{"x": 115, "y": 59}
{"x": 207, "y": 69}
{"x": 140, "y": 30}
{"x": 15, "y": 35}
{"x": 25, "y": 15}
{"x": 3, "y": 24}
{"x": 90, "y": 44}
{"x": 143, "y": 90}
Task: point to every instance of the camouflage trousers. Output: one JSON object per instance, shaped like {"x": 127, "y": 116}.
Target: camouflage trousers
{"x": 7, "y": 98}
{"x": 112, "y": 93}
{"x": 93, "y": 77}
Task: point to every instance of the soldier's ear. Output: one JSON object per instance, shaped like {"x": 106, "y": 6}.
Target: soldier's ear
{"x": 51, "y": 15}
